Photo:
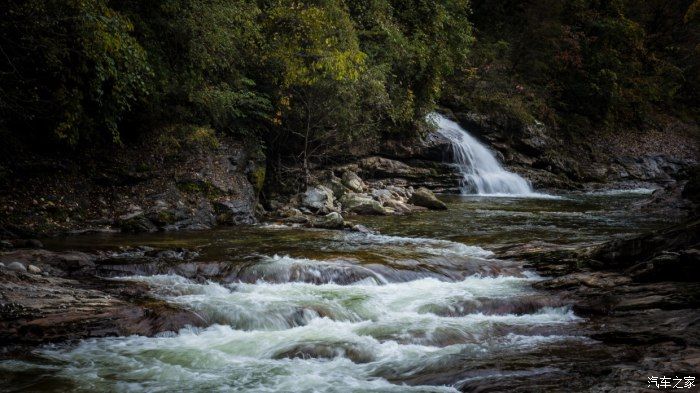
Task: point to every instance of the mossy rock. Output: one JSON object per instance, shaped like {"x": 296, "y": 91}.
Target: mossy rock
{"x": 257, "y": 178}
{"x": 199, "y": 187}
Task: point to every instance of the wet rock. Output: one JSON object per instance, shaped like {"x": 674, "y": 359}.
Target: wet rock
{"x": 624, "y": 253}
{"x": 26, "y": 243}
{"x": 355, "y": 353}
{"x": 362, "y": 229}
{"x": 588, "y": 279}
{"x": 234, "y": 212}
{"x": 33, "y": 269}
{"x": 298, "y": 219}
{"x": 6, "y": 245}
{"x": 673, "y": 266}
{"x": 61, "y": 262}
{"x": 352, "y": 181}
{"x": 331, "y": 220}
{"x": 2, "y": 265}
{"x": 16, "y": 267}
{"x": 361, "y": 204}
{"x": 35, "y": 310}
{"x": 426, "y": 198}
{"x": 318, "y": 198}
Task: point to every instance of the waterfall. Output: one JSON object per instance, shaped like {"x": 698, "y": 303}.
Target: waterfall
{"x": 481, "y": 172}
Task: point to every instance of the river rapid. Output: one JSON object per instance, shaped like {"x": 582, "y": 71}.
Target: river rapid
{"x": 425, "y": 306}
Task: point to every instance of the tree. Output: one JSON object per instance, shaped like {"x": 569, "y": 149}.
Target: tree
{"x": 313, "y": 49}
{"x": 69, "y": 69}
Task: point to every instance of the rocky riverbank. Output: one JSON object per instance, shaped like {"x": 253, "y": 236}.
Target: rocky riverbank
{"x": 640, "y": 294}
{"x": 48, "y": 296}
{"x": 205, "y": 180}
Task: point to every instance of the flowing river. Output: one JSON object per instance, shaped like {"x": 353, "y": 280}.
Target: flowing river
{"x": 424, "y": 306}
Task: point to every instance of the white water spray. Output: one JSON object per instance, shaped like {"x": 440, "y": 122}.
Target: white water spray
{"x": 481, "y": 172}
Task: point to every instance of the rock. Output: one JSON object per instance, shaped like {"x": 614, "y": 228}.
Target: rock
{"x": 2, "y": 265}
{"x": 671, "y": 266}
{"x": 691, "y": 190}
{"x": 318, "y": 198}
{"x": 362, "y": 229}
{"x": 301, "y": 219}
{"x": 6, "y": 245}
{"x": 400, "y": 191}
{"x": 380, "y": 167}
{"x": 331, "y": 220}
{"x": 401, "y": 207}
{"x": 136, "y": 223}
{"x": 434, "y": 147}
{"x": 17, "y": 267}
{"x": 163, "y": 215}
{"x": 38, "y": 310}
{"x": 234, "y": 212}
{"x": 335, "y": 184}
{"x": 361, "y": 204}
{"x": 294, "y": 216}
{"x": 384, "y": 195}
{"x": 426, "y": 198}
{"x": 26, "y": 243}
{"x": 353, "y": 182}
{"x": 33, "y": 269}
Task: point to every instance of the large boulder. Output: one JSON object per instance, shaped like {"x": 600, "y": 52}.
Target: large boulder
{"x": 318, "y": 198}
{"x": 425, "y": 198}
{"x": 353, "y": 182}
{"x": 384, "y": 195}
{"x": 361, "y": 204}
{"x": 17, "y": 267}
{"x": 136, "y": 222}
{"x": 234, "y": 211}
{"x": 332, "y": 220}
{"x": 336, "y": 185}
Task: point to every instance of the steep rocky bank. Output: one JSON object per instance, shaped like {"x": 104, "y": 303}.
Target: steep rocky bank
{"x": 660, "y": 156}
{"x": 160, "y": 183}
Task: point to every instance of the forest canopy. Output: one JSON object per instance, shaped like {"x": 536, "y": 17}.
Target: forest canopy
{"x": 305, "y": 76}
{"x": 274, "y": 70}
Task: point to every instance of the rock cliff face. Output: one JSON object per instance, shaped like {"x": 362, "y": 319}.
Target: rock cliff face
{"x": 551, "y": 160}
{"x": 152, "y": 186}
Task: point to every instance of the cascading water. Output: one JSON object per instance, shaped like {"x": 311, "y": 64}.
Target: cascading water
{"x": 482, "y": 174}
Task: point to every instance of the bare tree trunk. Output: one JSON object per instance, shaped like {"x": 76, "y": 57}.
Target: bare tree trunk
{"x": 307, "y": 172}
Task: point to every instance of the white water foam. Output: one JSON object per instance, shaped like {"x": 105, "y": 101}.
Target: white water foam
{"x": 281, "y": 269}
{"x": 304, "y": 337}
{"x": 391, "y": 307}
{"x": 630, "y": 191}
{"x": 420, "y": 244}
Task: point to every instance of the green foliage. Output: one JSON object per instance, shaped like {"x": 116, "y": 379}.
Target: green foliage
{"x": 204, "y": 53}
{"x": 305, "y": 78}
{"x": 69, "y": 67}
{"x": 581, "y": 62}
{"x": 414, "y": 44}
